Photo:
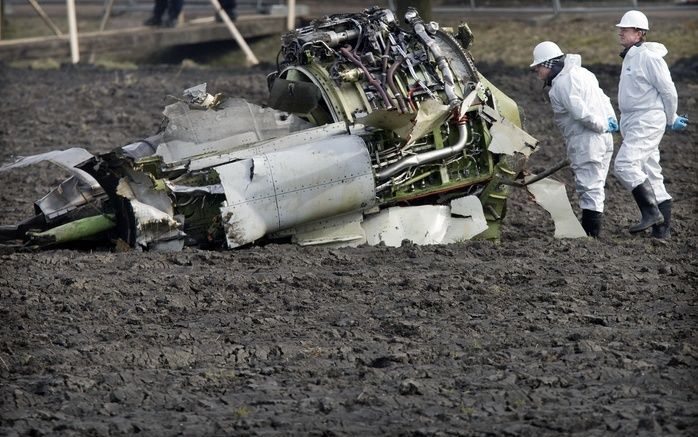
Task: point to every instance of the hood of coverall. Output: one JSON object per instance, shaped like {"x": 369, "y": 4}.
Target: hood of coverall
{"x": 655, "y": 47}
{"x": 571, "y": 60}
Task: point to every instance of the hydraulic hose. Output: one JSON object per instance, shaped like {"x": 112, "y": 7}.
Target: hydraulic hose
{"x": 346, "y": 51}
{"x": 393, "y": 87}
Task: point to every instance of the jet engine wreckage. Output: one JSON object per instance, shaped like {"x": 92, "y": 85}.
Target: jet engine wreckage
{"x": 373, "y": 134}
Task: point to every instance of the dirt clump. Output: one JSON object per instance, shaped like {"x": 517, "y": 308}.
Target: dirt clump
{"x": 531, "y": 336}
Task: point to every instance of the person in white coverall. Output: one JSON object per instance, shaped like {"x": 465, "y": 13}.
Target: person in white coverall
{"x": 585, "y": 117}
{"x": 647, "y": 100}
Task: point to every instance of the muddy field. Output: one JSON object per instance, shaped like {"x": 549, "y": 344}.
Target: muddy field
{"x": 532, "y": 336}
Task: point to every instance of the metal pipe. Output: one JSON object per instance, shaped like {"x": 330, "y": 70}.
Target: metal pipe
{"x": 449, "y": 86}
{"x": 427, "y": 157}
{"x": 536, "y": 178}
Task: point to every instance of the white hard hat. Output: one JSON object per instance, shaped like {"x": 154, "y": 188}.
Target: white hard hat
{"x": 634, "y": 19}
{"x": 545, "y": 51}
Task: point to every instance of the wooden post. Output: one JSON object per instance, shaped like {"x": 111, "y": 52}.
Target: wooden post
{"x": 73, "y": 29}
{"x": 556, "y": 7}
{"x": 107, "y": 14}
{"x": 251, "y": 58}
{"x": 45, "y": 17}
{"x": 291, "y": 14}
{"x": 2, "y": 15}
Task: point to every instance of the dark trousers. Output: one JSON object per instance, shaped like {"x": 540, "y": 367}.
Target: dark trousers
{"x": 173, "y": 8}
{"x": 228, "y": 5}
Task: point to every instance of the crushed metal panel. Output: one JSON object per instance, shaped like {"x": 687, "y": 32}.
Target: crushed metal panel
{"x": 250, "y": 209}
{"x": 508, "y": 139}
{"x": 176, "y": 150}
{"x": 79, "y": 189}
{"x": 140, "y": 187}
{"x": 156, "y": 229}
{"x": 296, "y": 185}
{"x": 389, "y": 119}
{"x": 424, "y": 224}
{"x": 467, "y": 219}
{"x": 69, "y": 195}
{"x": 427, "y": 224}
{"x": 552, "y": 196}
{"x": 340, "y": 231}
{"x": 141, "y": 149}
{"x": 431, "y": 114}
{"x": 409, "y": 126}
{"x": 66, "y": 159}
{"x": 236, "y": 122}
{"x": 184, "y": 189}
{"x": 268, "y": 146}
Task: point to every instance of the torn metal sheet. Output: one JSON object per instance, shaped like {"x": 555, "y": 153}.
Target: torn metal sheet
{"x": 552, "y": 196}
{"x": 183, "y": 189}
{"x": 235, "y": 122}
{"x": 427, "y": 224}
{"x": 139, "y": 187}
{"x": 508, "y": 139}
{"x": 70, "y": 194}
{"x": 432, "y": 113}
{"x": 268, "y": 146}
{"x": 153, "y": 214}
{"x": 276, "y": 191}
{"x": 467, "y": 219}
{"x": 390, "y": 119}
{"x": 198, "y": 96}
{"x": 410, "y": 126}
{"x": 155, "y": 227}
{"x": 66, "y": 159}
{"x": 78, "y": 190}
{"x": 339, "y": 231}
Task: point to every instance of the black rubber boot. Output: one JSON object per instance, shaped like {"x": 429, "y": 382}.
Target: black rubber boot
{"x": 153, "y": 21}
{"x": 591, "y": 222}
{"x": 663, "y": 231}
{"x": 644, "y": 196}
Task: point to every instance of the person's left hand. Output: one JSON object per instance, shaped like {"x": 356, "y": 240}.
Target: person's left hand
{"x": 612, "y": 125}
{"x": 680, "y": 123}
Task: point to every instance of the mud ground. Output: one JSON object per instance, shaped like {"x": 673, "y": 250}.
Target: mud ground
{"x": 531, "y": 336}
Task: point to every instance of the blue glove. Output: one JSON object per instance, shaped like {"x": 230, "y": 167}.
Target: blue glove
{"x": 612, "y": 125}
{"x": 680, "y": 123}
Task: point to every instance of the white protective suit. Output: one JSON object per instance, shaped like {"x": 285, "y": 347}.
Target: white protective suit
{"x": 647, "y": 100}
{"x": 581, "y": 112}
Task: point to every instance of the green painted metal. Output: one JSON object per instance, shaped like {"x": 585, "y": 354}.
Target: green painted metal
{"x": 75, "y": 230}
